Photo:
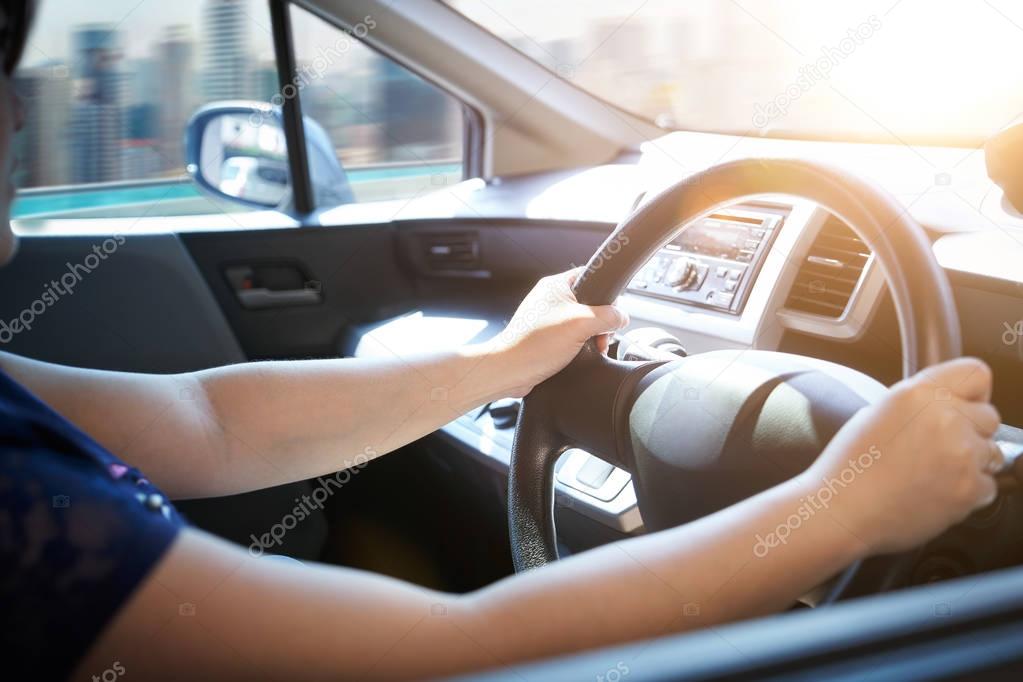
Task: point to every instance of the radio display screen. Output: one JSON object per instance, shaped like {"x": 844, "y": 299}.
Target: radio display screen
{"x": 715, "y": 238}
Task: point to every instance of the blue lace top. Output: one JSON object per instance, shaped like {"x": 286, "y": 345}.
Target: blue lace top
{"x": 79, "y": 530}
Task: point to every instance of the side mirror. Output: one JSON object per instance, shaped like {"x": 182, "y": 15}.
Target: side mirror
{"x": 1003, "y": 155}
{"x": 237, "y": 151}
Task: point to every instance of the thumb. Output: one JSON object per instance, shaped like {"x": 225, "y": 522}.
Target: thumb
{"x": 608, "y": 318}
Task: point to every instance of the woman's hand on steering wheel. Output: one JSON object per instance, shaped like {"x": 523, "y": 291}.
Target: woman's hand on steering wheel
{"x": 906, "y": 468}
{"x": 549, "y": 328}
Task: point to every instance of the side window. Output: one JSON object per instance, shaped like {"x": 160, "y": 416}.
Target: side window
{"x": 108, "y": 88}
{"x": 394, "y": 134}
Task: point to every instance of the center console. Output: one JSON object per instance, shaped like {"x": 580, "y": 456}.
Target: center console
{"x": 712, "y": 263}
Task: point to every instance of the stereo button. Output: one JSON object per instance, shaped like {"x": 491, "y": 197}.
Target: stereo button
{"x": 722, "y": 299}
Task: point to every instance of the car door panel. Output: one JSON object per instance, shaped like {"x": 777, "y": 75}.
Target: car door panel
{"x": 352, "y": 268}
{"x": 143, "y": 307}
{"x": 171, "y": 303}
{"x": 366, "y": 274}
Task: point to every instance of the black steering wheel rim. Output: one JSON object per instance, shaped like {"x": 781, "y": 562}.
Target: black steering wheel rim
{"x": 900, "y": 245}
{"x": 550, "y": 418}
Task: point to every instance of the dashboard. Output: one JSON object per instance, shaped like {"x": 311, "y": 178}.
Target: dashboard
{"x": 744, "y": 277}
{"x": 774, "y": 274}
{"x": 723, "y": 281}
{"x": 749, "y": 276}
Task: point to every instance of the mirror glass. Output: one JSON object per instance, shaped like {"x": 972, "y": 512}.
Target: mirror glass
{"x": 245, "y": 160}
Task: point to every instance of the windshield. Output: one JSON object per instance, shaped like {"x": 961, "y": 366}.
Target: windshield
{"x": 935, "y": 71}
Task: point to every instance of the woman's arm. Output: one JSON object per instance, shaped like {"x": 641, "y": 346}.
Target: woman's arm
{"x": 209, "y": 610}
{"x": 260, "y": 619}
{"x": 254, "y": 425}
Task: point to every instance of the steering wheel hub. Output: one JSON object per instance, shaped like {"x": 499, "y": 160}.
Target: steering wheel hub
{"x": 711, "y": 430}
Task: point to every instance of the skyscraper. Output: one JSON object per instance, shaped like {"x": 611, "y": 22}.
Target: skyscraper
{"x": 42, "y": 144}
{"x": 415, "y": 118}
{"x": 264, "y": 81}
{"x": 97, "y": 112}
{"x": 226, "y": 50}
{"x": 176, "y": 100}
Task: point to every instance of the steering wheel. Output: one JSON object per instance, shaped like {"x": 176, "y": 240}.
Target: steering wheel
{"x": 703, "y": 432}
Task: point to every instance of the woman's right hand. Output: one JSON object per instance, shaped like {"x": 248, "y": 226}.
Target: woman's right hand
{"x": 906, "y": 468}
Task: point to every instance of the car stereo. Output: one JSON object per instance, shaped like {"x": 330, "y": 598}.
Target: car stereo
{"x": 712, "y": 263}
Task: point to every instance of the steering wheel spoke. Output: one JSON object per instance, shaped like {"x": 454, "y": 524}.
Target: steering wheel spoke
{"x": 584, "y": 406}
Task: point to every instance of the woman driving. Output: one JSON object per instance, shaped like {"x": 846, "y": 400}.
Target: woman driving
{"x": 96, "y": 564}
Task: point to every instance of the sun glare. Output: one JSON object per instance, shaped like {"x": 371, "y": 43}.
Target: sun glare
{"x": 931, "y": 70}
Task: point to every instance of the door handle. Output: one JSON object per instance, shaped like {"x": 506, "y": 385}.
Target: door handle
{"x": 272, "y": 285}
{"x": 281, "y": 298}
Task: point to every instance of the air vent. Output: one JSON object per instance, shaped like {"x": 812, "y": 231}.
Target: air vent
{"x": 451, "y": 250}
{"x": 830, "y": 272}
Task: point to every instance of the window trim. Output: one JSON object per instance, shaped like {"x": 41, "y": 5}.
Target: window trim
{"x": 473, "y": 141}
{"x": 303, "y": 201}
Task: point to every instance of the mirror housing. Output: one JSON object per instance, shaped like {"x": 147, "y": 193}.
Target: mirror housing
{"x": 1003, "y": 155}
{"x": 237, "y": 151}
